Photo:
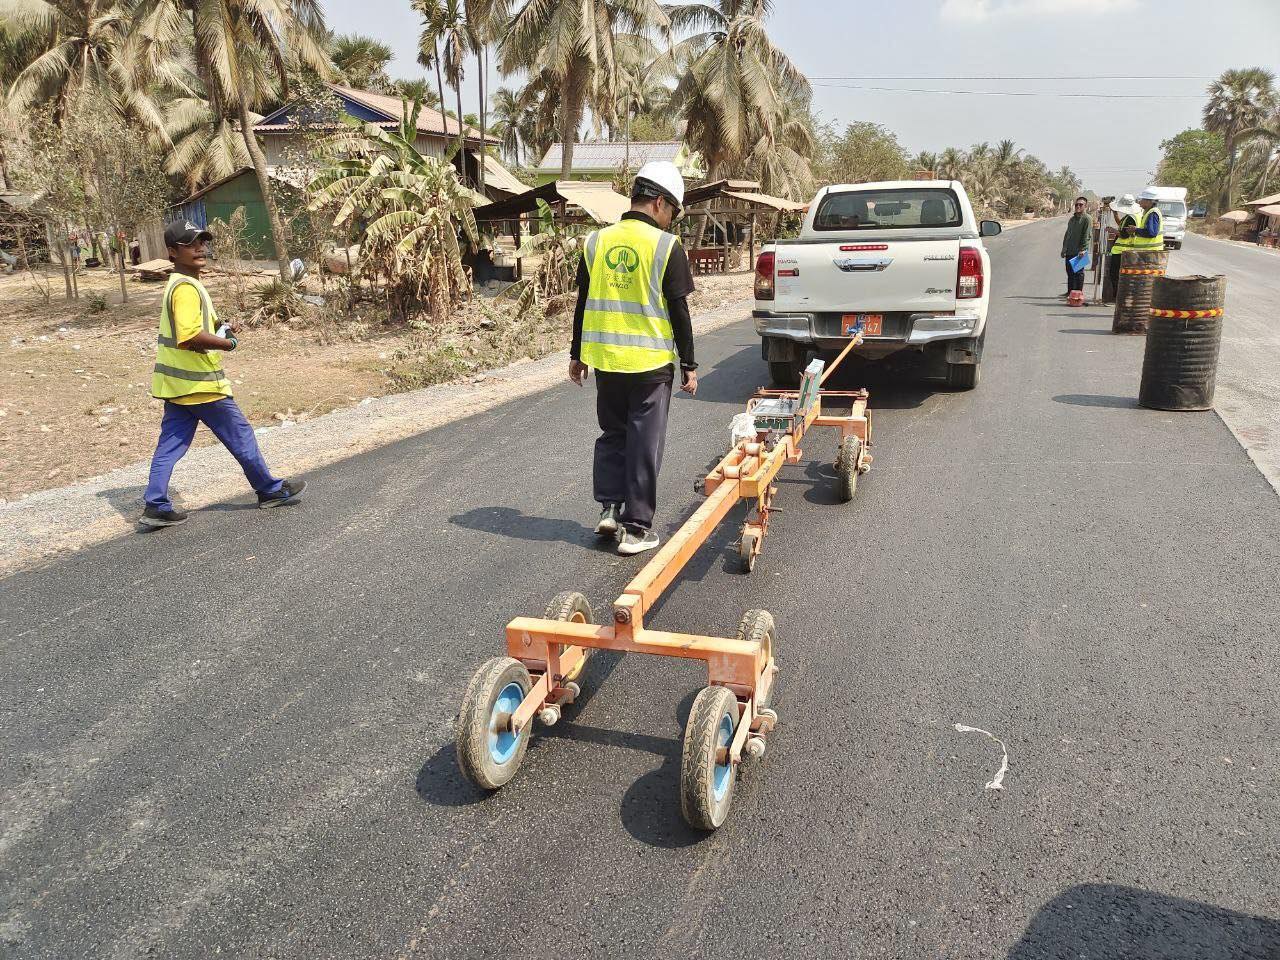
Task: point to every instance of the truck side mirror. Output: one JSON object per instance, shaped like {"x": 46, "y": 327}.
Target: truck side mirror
{"x": 989, "y": 228}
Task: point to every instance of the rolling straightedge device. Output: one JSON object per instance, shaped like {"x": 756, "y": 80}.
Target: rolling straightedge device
{"x": 731, "y": 717}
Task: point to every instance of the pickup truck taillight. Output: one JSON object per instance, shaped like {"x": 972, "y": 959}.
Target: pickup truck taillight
{"x": 969, "y": 279}
{"x": 764, "y": 276}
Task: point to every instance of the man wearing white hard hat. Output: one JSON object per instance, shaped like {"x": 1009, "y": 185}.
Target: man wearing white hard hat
{"x": 632, "y": 326}
{"x": 1124, "y": 211}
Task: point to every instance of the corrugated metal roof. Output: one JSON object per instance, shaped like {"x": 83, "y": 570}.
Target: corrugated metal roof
{"x": 1272, "y": 210}
{"x": 429, "y": 121}
{"x": 1264, "y": 201}
{"x": 499, "y": 177}
{"x": 603, "y": 155}
{"x": 765, "y": 200}
{"x": 1236, "y": 216}
{"x": 599, "y": 200}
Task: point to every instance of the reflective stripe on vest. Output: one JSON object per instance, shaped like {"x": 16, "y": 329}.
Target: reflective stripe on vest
{"x": 1137, "y": 242}
{"x": 179, "y": 372}
{"x": 626, "y": 326}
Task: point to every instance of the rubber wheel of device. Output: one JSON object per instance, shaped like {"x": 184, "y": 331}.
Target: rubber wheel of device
{"x": 475, "y": 724}
{"x": 847, "y": 469}
{"x": 747, "y": 551}
{"x": 786, "y": 373}
{"x": 571, "y": 607}
{"x": 706, "y": 788}
{"x": 963, "y": 376}
{"x": 757, "y": 626}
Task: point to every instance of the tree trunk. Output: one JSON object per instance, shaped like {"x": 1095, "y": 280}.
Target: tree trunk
{"x": 462, "y": 150}
{"x": 62, "y": 256}
{"x": 440, "y": 90}
{"x": 259, "y": 161}
{"x": 572, "y": 116}
{"x": 124, "y": 293}
{"x": 482, "y": 61}
{"x": 626, "y": 147}
{"x": 1231, "y": 173}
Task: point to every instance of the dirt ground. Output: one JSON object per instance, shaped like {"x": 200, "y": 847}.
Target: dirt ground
{"x": 75, "y": 385}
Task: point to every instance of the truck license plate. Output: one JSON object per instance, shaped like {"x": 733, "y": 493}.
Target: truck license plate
{"x": 871, "y": 323}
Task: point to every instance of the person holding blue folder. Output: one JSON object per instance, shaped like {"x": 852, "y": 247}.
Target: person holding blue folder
{"x": 1075, "y": 246}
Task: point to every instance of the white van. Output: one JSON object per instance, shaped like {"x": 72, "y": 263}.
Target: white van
{"x": 1172, "y": 204}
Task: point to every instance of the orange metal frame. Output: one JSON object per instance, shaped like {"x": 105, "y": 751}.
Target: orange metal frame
{"x": 554, "y": 650}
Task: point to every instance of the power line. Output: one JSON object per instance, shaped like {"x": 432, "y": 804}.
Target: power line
{"x": 1029, "y": 77}
{"x": 1012, "y": 93}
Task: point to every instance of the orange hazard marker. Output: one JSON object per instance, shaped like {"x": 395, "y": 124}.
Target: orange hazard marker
{"x": 730, "y": 718}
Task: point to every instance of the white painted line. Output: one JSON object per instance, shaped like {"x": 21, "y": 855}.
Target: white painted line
{"x": 997, "y": 782}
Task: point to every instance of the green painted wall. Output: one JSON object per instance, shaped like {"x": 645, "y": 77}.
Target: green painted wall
{"x": 221, "y": 203}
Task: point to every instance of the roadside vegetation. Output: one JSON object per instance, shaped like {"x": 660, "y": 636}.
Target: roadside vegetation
{"x": 1234, "y": 155}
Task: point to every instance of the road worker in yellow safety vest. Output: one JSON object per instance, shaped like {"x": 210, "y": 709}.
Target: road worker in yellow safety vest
{"x": 1146, "y": 231}
{"x": 195, "y": 389}
{"x": 632, "y": 327}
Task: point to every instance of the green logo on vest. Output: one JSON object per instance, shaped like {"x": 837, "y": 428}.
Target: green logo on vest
{"x": 622, "y": 259}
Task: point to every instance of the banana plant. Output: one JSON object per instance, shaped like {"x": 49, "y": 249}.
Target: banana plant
{"x": 411, "y": 209}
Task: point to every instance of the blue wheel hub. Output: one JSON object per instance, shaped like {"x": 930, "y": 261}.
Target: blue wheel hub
{"x": 722, "y": 776}
{"x": 502, "y": 742}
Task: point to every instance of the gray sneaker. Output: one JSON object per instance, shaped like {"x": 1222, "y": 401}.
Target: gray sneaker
{"x": 633, "y": 542}
{"x": 608, "y": 525}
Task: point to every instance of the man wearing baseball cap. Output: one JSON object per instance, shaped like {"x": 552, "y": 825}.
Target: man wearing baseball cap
{"x": 190, "y": 380}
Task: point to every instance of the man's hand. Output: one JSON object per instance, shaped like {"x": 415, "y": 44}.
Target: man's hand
{"x": 689, "y": 382}
{"x": 577, "y": 371}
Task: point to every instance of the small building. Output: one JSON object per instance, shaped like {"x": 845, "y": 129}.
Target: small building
{"x": 602, "y": 159}
{"x": 287, "y": 130}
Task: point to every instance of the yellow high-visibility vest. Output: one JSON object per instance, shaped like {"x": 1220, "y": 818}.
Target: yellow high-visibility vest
{"x": 180, "y": 372}
{"x": 1137, "y": 242}
{"x": 626, "y": 327}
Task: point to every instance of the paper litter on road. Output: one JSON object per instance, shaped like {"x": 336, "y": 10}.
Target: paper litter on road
{"x": 996, "y": 782}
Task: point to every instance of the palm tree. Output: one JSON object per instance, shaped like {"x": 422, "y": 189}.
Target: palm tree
{"x": 457, "y": 41}
{"x": 508, "y": 114}
{"x": 80, "y": 45}
{"x": 361, "y": 60}
{"x": 416, "y": 89}
{"x": 924, "y": 160}
{"x": 486, "y": 18}
{"x": 574, "y": 43}
{"x": 737, "y": 82}
{"x": 231, "y": 38}
{"x": 431, "y": 12}
{"x": 1239, "y": 100}
{"x": 640, "y": 84}
{"x": 950, "y": 164}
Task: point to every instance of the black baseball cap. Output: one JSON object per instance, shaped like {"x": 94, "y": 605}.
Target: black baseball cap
{"x": 181, "y": 233}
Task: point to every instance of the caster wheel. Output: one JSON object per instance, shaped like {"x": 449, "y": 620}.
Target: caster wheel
{"x": 706, "y": 785}
{"x": 747, "y": 551}
{"x": 488, "y": 752}
{"x": 847, "y": 469}
{"x": 757, "y": 626}
{"x": 571, "y": 607}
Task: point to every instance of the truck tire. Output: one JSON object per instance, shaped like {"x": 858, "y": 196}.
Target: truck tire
{"x": 786, "y": 374}
{"x": 963, "y": 376}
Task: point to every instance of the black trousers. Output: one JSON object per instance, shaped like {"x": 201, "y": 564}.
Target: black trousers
{"x": 1075, "y": 278}
{"x": 632, "y": 410}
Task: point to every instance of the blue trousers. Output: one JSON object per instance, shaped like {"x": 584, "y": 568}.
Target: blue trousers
{"x": 178, "y": 429}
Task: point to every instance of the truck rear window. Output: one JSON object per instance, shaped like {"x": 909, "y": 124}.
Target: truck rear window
{"x": 888, "y": 209}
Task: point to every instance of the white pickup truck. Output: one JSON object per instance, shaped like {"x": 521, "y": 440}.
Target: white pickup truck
{"x": 903, "y": 260}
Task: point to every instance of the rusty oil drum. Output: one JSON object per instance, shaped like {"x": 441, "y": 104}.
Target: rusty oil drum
{"x": 1138, "y": 270}
{"x": 1185, "y": 333}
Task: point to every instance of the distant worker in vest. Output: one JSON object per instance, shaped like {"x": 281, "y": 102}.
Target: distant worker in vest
{"x": 1123, "y": 212}
{"x": 190, "y": 380}
{"x": 1147, "y": 231}
{"x": 632, "y": 326}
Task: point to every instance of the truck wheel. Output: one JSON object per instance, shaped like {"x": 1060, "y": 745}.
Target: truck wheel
{"x": 786, "y": 373}
{"x": 963, "y": 376}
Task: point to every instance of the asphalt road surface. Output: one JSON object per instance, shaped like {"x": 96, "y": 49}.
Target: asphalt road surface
{"x": 1248, "y": 395}
{"x": 235, "y": 737}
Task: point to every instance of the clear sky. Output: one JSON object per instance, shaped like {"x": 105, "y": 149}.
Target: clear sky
{"x": 1113, "y": 143}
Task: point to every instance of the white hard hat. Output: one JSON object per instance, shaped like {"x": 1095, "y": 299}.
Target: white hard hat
{"x": 1149, "y": 194}
{"x": 1125, "y": 204}
{"x": 664, "y": 175}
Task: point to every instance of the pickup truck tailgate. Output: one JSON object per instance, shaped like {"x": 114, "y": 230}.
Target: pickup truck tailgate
{"x": 847, "y": 277}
